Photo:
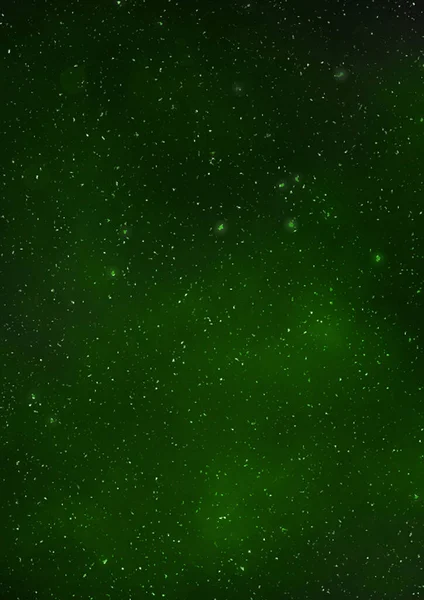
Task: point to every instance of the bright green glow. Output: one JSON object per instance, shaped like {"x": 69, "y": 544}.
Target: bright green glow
{"x": 378, "y": 258}
{"x": 283, "y": 185}
{"x": 220, "y": 228}
{"x": 291, "y": 224}
{"x": 112, "y": 273}
{"x": 297, "y": 178}
{"x": 125, "y": 231}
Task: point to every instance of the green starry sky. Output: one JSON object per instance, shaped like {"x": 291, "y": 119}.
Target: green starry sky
{"x": 212, "y": 282}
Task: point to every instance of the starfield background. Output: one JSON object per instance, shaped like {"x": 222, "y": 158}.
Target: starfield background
{"x": 212, "y": 282}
